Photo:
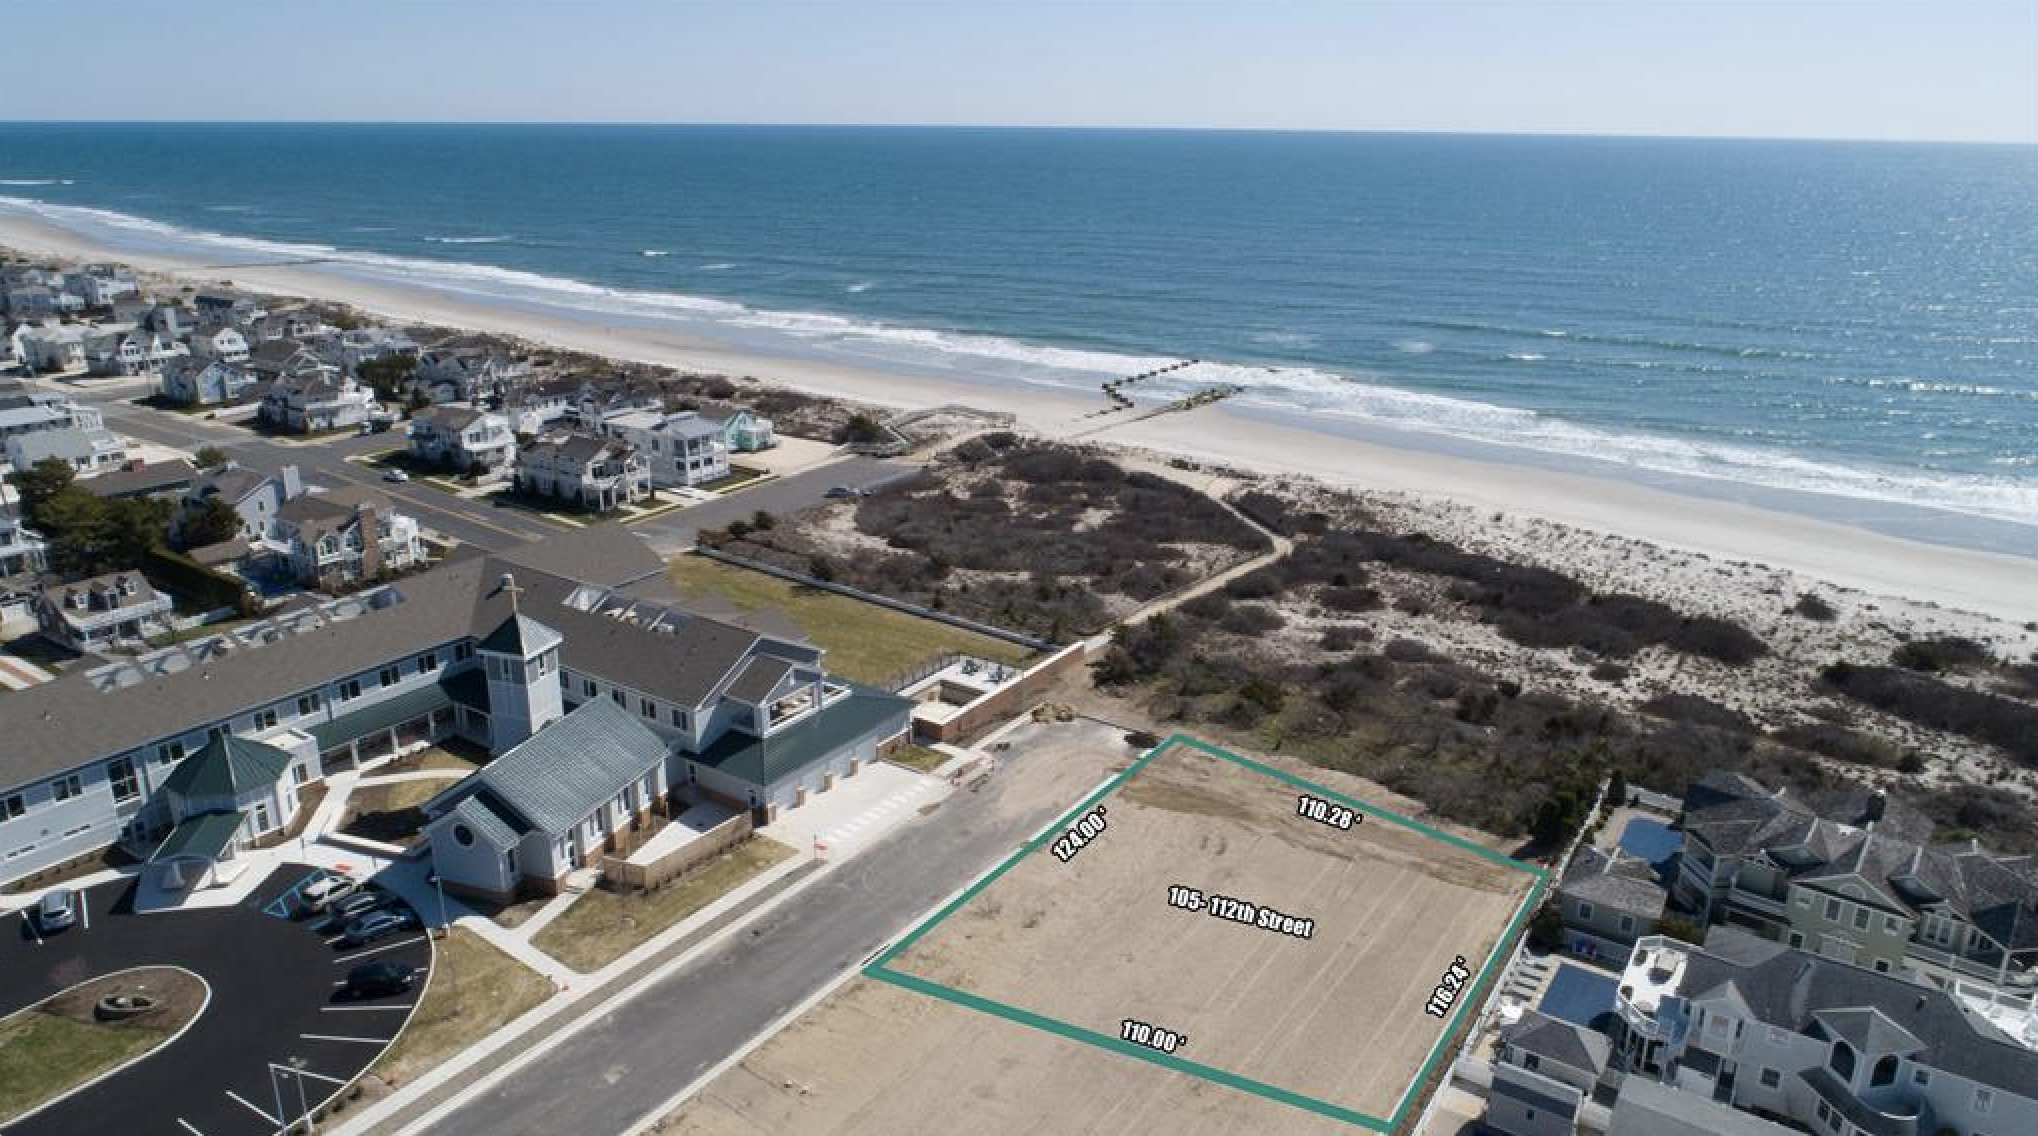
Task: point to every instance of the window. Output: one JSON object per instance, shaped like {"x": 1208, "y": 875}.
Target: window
{"x": 1842, "y": 1061}
{"x": 1771, "y": 1078}
{"x": 1884, "y": 1072}
{"x": 428, "y": 662}
{"x": 462, "y": 652}
{"x": 64, "y": 788}
{"x": 169, "y": 752}
{"x": 647, "y": 708}
{"x": 265, "y": 719}
{"x": 619, "y": 699}
{"x": 1861, "y": 919}
{"x": 678, "y": 718}
{"x": 12, "y": 805}
{"x": 1584, "y": 910}
{"x": 1832, "y": 911}
{"x": 1882, "y": 966}
{"x": 588, "y": 687}
{"x": 1627, "y": 924}
{"x": 1921, "y": 1077}
{"x": 350, "y": 690}
{"x": 1797, "y": 938}
{"x": 1984, "y": 1101}
{"x": 1804, "y": 900}
{"x": 390, "y": 676}
{"x": 1531, "y": 1062}
{"x": 120, "y": 774}
{"x": 307, "y": 704}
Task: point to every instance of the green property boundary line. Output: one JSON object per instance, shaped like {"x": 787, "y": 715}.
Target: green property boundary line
{"x": 881, "y": 970}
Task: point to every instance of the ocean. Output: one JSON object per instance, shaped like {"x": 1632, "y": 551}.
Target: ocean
{"x": 1848, "y": 319}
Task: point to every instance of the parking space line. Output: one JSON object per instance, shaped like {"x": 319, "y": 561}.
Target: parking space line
{"x": 84, "y": 907}
{"x": 377, "y": 950}
{"x": 322, "y": 1077}
{"x": 361, "y": 1009}
{"x": 336, "y": 1037}
{"x": 251, "y": 1108}
{"x": 188, "y": 1127}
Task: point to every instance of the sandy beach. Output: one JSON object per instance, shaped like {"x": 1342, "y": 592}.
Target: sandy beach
{"x": 2001, "y": 586}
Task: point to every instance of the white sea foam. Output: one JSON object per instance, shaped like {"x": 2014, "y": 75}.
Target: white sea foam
{"x": 1315, "y": 392}
{"x": 861, "y": 286}
{"x": 27, "y": 183}
{"x": 654, "y": 252}
{"x": 469, "y": 240}
{"x": 719, "y": 267}
{"x": 1525, "y": 356}
{"x": 1414, "y": 346}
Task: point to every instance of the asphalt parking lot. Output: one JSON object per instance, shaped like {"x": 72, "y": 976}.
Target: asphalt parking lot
{"x": 273, "y": 984}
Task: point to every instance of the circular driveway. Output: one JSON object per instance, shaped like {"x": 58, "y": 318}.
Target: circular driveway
{"x": 273, "y": 983}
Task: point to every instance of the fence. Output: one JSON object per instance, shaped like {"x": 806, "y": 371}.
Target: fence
{"x": 620, "y": 875}
{"x": 1002, "y": 703}
{"x": 805, "y": 580}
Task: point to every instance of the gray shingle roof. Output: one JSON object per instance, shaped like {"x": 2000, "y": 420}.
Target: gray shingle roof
{"x": 1557, "y": 1040}
{"x": 760, "y": 676}
{"x": 519, "y": 635}
{"x": 573, "y": 766}
{"x": 1621, "y": 882}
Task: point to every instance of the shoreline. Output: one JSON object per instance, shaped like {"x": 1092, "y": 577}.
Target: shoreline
{"x": 1991, "y": 583}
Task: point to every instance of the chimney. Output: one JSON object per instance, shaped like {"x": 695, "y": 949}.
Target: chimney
{"x": 293, "y": 483}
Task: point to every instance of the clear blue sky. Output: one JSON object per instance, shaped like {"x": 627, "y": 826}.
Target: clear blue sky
{"x": 1941, "y": 69}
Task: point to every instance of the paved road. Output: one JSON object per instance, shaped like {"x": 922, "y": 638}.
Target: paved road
{"x": 272, "y": 983}
{"x": 616, "y": 1070}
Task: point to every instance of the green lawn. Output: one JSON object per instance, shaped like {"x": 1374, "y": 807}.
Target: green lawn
{"x": 472, "y": 990}
{"x": 864, "y": 642}
{"x": 738, "y": 477}
{"x": 602, "y": 926}
{"x": 919, "y": 757}
{"x": 42, "y": 1055}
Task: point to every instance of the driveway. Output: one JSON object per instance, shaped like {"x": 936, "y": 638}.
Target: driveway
{"x": 272, "y": 985}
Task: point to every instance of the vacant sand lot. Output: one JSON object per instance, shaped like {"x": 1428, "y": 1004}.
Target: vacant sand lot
{"x": 877, "y": 1059}
{"x": 1337, "y": 1017}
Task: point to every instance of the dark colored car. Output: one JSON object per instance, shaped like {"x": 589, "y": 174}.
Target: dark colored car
{"x": 349, "y": 909}
{"x": 378, "y": 980}
{"x": 377, "y": 924}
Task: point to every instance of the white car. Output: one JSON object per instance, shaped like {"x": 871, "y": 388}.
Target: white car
{"x": 323, "y": 892}
{"x": 58, "y": 910}
{"x": 396, "y": 475}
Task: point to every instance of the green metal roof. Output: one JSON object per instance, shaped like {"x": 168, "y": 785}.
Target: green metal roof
{"x": 205, "y": 835}
{"x": 382, "y": 715}
{"x": 571, "y": 767}
{"x": 766, "y": 762}
{"x": 226, "y": 767}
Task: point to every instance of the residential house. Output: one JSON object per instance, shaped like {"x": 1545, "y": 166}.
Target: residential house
{"x": 463, "y": 439}
{"x": 99, "y": 285}
{"x": 1608, "y": 900}
{"x": 86, "y": 449}
{"x": 224, "y": 309}
{"x": 1544, "y": 1071}
{"x": 104, "y": 611}
{"x": 1828, "y": 1045}
{"x": 286, "y": 358}
{"x": 683, "y": 449}
{"x": 600, "y": 401}
{"x": 1646, "y": 1108}
{"x": 22, "y": 560}
{"x": 746, "y": 431}
{"x": 463, "y": 371}
{"x": 137, "y": 479}
{"x": 356, "y": 346}
{"x": 595, "y": 473}
{"x": 53, "y": 348}
{"x": 1854, "y": 876}
{"x": 92, "y": 754}
{"x": 175, "y": 320}
{"x": 225, "y": 344}
{"x": 317, "y": 402}
{"x": 36, "y": 301}
{"x": 205, "y": 382}
{"x": 298, "y": 325}
{"x": 534, "y": 407}
{"x": 26, "y": 409}
{"x": 126, "y": 350}
{"x": 257, "y": 498}
{"x": 338, "y": 539}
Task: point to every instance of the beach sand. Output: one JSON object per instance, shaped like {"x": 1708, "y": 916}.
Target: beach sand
{"x": 2001, "y": 586}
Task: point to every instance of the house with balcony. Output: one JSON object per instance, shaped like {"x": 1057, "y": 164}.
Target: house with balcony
{"x": 225, "y": 344}
{"x": 1545, "y": 1071}
{"x": 125, "y": 350}
{"x": 345, "y": 537}
{"x": 1856, "y": 877}
{"x": 1824, "y": 1044}
{"x": 317, "y": 402}
{"x": 279, "y": 359}
{"x": 463, "y": 439}
{"x": 1608, "y": 900}
{"x": 682, "y": 450}
{"x": 463, "y": 370}
{"x": 22, "y": 559}
{"x": 52, "y": 349}
{"x": 256, "y": 498}
{"x": 200, "y": 381}
{"x": 225, "y": 309}
{"x": 99, "y": 285}
{"x": 87, "y": 449}
{"x": 105, "y": 611}
{"x": 746, "y": 431}
{"x": 595, "y": 473}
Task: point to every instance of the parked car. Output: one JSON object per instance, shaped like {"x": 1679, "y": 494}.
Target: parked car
{"x": 396, "y": 475}
{"x": 376, "y": 925}
{"x": 344, "y": 911}
{"x": 327, "y": 890}
{"x": 837, "y": 492}
{"x": 378, "y": 980}
{"x": 58, "y": 910}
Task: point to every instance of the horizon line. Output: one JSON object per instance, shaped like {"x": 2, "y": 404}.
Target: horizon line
{"x": 1040, "y": 127}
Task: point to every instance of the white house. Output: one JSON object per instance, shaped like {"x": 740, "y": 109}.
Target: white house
{"x": 463, "y": 439}
{"x": 87, "y": 449}
{"x": 338, "y": 539}
{"x": 257, "y": 498}
{"x": 204, "y": 381}
{"x": 309, "y": 403}
{"x": 53, "y": 348}
{"x": 683, "y": 449}
{"x": 595, "y": 473}
{"x": 226, "y": 344}
{"x": 104, "y": 611}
